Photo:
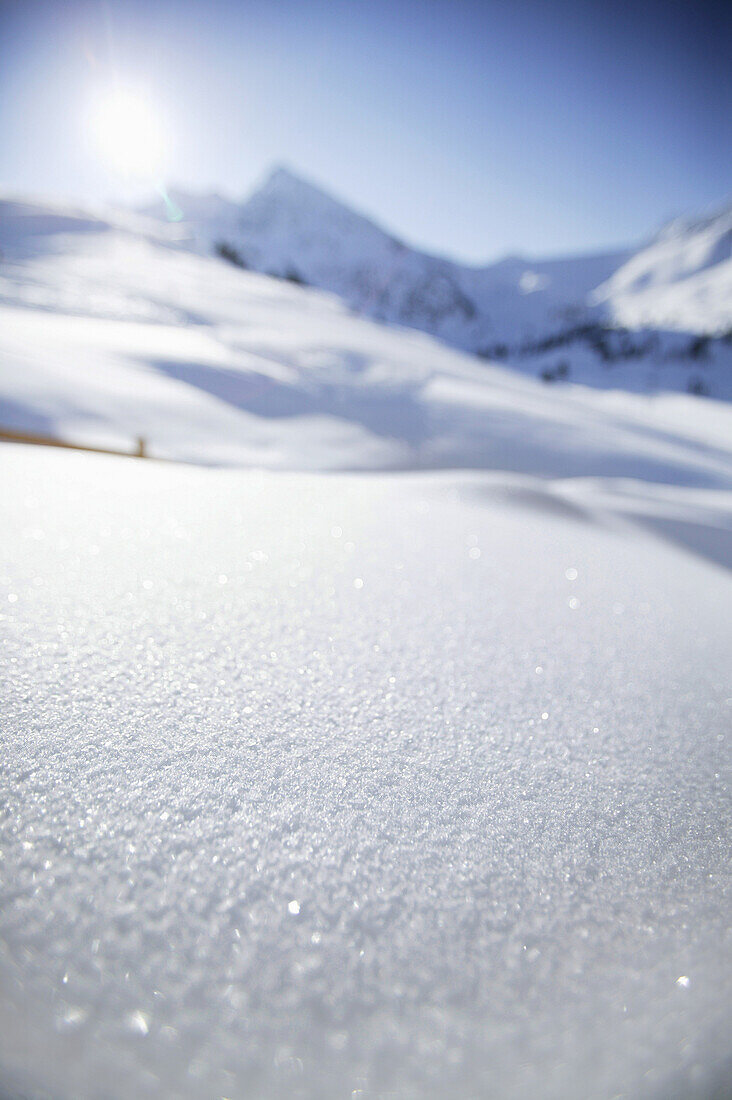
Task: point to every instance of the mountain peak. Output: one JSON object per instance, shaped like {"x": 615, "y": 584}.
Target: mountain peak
{"x": 287, "y": 199}
{"x": 283, "y": 183}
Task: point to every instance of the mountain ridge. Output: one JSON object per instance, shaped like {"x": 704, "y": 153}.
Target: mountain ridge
{"x": 291, "y": 227}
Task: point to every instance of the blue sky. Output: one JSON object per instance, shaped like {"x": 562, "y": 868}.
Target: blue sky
{"x": 474, "y": 129}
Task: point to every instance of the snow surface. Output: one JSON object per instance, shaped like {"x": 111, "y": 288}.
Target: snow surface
{"x": 334, "y": 784}
{"x": 361, "y": 785}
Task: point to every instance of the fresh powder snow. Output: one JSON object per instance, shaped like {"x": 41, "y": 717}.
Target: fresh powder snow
{"x": 378, "y": 745}
{"x": 331, "y": 785}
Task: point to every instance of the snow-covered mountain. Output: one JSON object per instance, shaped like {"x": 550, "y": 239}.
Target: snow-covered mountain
{"x": 681, "y": 280}
{"x": 293, "y": 229}
{"x": 111, "y": 329}
{"x": 290, "y": 228}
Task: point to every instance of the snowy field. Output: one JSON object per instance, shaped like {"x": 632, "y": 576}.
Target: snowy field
{"x": 361, "y": 785}
{"x": 376, "y": 747}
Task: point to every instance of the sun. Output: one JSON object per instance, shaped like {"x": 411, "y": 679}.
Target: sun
{"x": 128, "y": 133}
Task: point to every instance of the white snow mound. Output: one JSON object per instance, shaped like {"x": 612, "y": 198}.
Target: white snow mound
{"x": 354, "y": 785}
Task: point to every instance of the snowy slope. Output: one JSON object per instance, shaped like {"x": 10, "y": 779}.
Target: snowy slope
{"x": 326, "y": 786}
{"x": 682, "y": 280}
{"x": 111, "y": 329}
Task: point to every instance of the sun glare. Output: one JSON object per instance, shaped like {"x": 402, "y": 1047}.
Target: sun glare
{"x": 128, "y": 134}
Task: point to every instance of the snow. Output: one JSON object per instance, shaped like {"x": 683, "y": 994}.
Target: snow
{"x": 395, "y": 764}
{"x": 681, "y": 280}
{"x": 459, "y": 829}
{"x": 292, "y": 227}
{"x": 114, "y": 332}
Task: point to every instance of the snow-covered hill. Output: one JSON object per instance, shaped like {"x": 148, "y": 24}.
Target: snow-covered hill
{"x": 289, "y": 227}
{"x": 110, "y": 329}
{"x": 682, "y": 280}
